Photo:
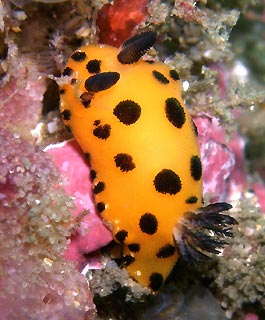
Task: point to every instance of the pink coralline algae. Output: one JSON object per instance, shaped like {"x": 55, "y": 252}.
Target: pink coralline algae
{"x": 90, "y": 234}
{"x": 218, "y": 161}
{"x": 36, "y": 281}
{"x": 21, "y": 100}
{"x": 224, "y": 174}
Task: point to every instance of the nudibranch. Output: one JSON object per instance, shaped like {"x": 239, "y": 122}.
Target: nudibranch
{"x": 129, "y": 118}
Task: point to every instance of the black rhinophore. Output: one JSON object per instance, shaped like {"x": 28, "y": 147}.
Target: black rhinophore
{"x": 135, "y": 47}
{"x": 101, "y": 81}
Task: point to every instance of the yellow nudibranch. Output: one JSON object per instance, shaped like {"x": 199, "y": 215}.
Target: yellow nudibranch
{"x": 129, "y": 118}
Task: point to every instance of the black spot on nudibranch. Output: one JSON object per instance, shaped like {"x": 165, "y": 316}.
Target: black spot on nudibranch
{"x": 67, "y": 71}
{"x": 196, "y": 167}
{"x": 156, "y": 281}
{"x": 160, "y": 77}
{"x": 167, "y": 181}
{"x": 175, "y": 113}
{"x": 78, "y": 56}
{"x": 102, "y": 132}
{"x": 127, "y": 260}
{"x": 174, "y": 75}
{"x": 102, "y": 81}
{"x": 121, "y": 235}
{"x": 86, "y": 99}
{"x": 93, "y": 174}
{"x": 93, "y": 66}
{"x": 148, "y": 223}
{"x": 166, "y": 251}
{"x": 191, "y": 200}
{"x": 127, "y": 111}
{"x": 134, "y": 247}
{"x": 124, "y": 162}
{"x": 101, "y": 206}
{"x": 99, "y": 187}
{"x": 135, "y": 47}
{"x": 66, "y": 114}
{"x": 195, "y": 130}
{"x": 62, "y": 91}
{"x": 87, "y": 156}
{"x": 96, "y": 122}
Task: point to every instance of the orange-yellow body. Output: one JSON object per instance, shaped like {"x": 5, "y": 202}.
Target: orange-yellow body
{"x": 154, "y": 144}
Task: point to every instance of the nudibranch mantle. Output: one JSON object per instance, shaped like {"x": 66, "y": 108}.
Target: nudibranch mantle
{"x": 130, "y": 120}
